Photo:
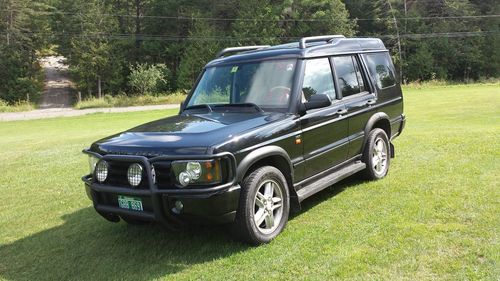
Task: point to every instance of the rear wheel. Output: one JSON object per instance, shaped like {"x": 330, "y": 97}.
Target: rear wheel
{"x": 264, "y": 206}
{"x": 376, "y": 155}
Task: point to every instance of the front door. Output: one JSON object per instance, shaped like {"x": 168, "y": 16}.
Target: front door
{"x": 324, "y": 130}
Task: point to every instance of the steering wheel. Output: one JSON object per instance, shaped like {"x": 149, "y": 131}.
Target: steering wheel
{"x": 277, "y": 95}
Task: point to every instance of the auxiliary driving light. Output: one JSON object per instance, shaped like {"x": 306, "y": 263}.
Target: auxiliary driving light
{"x": 134, "y": 174}
{"x": 101, "y": 171}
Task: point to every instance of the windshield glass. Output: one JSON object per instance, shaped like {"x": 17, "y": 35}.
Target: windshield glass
{"x": 267, "y": 84}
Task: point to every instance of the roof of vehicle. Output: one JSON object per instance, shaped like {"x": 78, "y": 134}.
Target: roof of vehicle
{"x": 304, "y": 49}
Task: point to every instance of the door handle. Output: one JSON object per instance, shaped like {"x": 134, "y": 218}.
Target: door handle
{"x": 371, "y": 102}
{"x": 342, "y": 111}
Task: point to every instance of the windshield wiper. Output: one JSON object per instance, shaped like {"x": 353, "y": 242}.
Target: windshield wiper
{"x": 199, "y": 106}
{"x": 240, "y": 105}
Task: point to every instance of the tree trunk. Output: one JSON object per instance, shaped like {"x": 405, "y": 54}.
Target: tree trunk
{"x": 9, "y": 28}
{"x": 99, "y": 94}
{"x": 138, "y": 15}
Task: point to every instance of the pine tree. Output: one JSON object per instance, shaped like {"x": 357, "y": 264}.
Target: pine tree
{"x": 19, "y": 74}
{"x": 203, "y": 44}
{"x": 258, "y": 23}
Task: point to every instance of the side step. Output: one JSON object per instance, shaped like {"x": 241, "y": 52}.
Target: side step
{"x": 330, "y": 179}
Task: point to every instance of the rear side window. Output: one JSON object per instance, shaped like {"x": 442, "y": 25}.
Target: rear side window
{"x": 381, "y": 69}
{"x": 318, "y": 79}
{"x": 349, "y": 75}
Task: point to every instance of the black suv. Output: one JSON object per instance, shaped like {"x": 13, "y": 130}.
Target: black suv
{"x": 263, "y": 129}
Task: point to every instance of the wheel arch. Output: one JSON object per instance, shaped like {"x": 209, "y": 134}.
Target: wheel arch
{"x": 270, "y": 156}
{"x": 378, "y": 120}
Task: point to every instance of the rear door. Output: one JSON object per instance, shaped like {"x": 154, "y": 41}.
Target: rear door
{"x": 357, "y": 96}
{"x": 324, "y": 130}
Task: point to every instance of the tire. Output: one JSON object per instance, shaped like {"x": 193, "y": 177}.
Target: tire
{"x": 260, "y": 219}
{"x": 133, "y": 221}
{"x": 376, "y": 155}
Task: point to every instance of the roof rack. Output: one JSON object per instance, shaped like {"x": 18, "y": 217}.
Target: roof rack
{"x": 240, "y": 49}
{"x": 326, "y": 38}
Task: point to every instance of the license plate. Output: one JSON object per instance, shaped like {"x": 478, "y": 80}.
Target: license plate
{"x": 130, "y": 203}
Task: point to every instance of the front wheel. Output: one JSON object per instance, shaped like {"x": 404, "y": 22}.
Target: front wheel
{"x": 376, "y": 155}
{"x": 264, "y": 206}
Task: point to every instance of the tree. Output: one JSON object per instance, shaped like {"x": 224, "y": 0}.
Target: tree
{"x": 94, "y": 60}
{"x": 20, "y": 77}
{"x": 258, "y": 23}
{"x": 454, "y": 58}
{"x": 202, "y": 47}
{"x": 313, "y": 17}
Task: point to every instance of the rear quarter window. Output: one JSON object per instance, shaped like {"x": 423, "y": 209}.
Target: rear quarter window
{"x": 381, "y": 70}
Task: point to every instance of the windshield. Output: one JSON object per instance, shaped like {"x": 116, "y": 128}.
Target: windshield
{"x": 267, "y": 84}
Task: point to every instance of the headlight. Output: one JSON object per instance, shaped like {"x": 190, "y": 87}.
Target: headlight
{"x": 197, "y": 172}
{"x": 101, "y": 171}
{"x": 92, "y": 162}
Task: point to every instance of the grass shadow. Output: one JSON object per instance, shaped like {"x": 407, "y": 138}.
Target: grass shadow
{"x": 328, "y": 193}
{"x": 86, "y": 247}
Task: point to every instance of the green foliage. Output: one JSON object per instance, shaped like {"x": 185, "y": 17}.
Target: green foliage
{"x": 122, "y": 100}
{"x": 420, "y": 66}
{"x": 198, "y": 53}
{"x": 16, "y": 107}
{"x": 102, "y": 38}
{"x": 330, "y": 17}
{"x": 261, "y": 24}
{"x": 20, "y": 77}
{"x": 145, "y": 78}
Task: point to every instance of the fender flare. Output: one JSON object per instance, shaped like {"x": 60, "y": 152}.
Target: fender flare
{"x": 371, "y": 122}
{"x": 259, "y": 154}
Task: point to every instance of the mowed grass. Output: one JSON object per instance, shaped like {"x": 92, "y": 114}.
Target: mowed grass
{"x": 436, "y": 215}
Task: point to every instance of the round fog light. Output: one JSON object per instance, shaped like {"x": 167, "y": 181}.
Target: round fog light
{"x": 134, "y": 174}
{"x": 179, "y": 205}
{"x": 101, "y": 171}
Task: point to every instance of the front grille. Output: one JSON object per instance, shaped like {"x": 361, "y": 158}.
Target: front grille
{"x": 117, "y": 175}
{"x": 164, "y": 178}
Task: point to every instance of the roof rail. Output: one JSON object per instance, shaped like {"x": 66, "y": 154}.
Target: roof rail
{"x": 326, "y": 38}
{"x": 240, "y": 49}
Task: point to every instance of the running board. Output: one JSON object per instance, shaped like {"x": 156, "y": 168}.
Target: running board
{"x": 330, "y": 179}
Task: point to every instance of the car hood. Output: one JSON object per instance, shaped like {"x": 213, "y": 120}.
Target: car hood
{"x": 185, "y": 134}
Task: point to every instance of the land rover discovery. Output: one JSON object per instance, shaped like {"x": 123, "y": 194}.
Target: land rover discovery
{"x": 264, "y": 128}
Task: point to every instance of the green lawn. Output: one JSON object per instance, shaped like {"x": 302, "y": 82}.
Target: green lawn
{"x": 436, "y": 215}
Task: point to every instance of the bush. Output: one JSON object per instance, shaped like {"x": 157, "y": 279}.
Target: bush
{"x": 16, "y": 107}
{"x": 145, "y": 78}
{"x": 124, "y": 100}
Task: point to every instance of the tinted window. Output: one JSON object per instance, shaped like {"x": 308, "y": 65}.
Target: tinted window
{"x": 318, "y": 79}
{"x": 267, "y": 84}
{"x": 381, "y": 70}
{"x": 349, "y": 75}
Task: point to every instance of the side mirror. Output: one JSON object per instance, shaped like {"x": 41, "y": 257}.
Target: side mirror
{"x": 316, "y": 101}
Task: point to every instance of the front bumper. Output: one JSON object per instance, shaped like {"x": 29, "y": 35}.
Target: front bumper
{"x": 215, "y": 204}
